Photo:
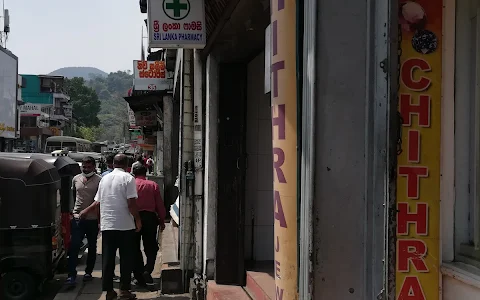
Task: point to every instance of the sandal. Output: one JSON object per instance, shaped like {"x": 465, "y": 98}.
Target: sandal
{"x": 126, "y": 295}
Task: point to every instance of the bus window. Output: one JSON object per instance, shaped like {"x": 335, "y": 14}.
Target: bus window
{"x": 72, "y": 146}
{"x": 52, "y": 146}
{"x": 85, "y": 147}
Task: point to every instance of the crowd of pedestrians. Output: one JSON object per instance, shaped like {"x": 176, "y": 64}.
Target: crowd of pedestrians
{"x": 127, "y": 209}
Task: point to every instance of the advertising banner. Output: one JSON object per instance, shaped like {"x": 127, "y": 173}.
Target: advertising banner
{"x": 31, "y": 110}
{"x": 146, "y": 118}
{"x": 8, "y": 94}
{"x": 176, "y": 24}
{"x": 134, "y": 134}
{"x": 418, "y": 180}
{"x": 151, "y": 76}
{"x": 56, "y": 131}
{"x": 284, "y": 132}
{"x": 131, "y": 117}
{"x": 147, "y": 147}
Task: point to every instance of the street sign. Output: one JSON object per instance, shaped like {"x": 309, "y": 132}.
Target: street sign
{"x": 176, "y": 24}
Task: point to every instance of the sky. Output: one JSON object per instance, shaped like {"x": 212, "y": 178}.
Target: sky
{"x": 47, "y": 35}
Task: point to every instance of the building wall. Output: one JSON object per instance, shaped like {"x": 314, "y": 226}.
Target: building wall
{"x": 259, "y": 177}
{"x": 351, "y": 128}
{"x": 31, "y": 91}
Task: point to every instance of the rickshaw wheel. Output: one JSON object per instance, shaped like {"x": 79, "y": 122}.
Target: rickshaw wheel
{"x": 18, "y": 285}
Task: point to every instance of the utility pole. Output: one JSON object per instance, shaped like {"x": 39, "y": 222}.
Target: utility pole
{"x": 5, "y": 29}
{"x": 3, "y": 24}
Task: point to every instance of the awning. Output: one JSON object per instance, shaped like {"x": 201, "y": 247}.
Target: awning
{"x": 34, "y": 131}
{"x": 58, "y": 118}
{"x": 147, "y": 147}
{"x": 144, "y": 102}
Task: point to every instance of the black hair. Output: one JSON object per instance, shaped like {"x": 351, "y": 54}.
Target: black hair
{"x": 109, "y": 158}
{"x": 88, "y": 160}
{"x": 139, "y": 170}
{"x": 120, "y": 160}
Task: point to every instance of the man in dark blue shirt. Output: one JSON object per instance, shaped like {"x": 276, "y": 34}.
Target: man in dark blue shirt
{"x": 109, "y": 161}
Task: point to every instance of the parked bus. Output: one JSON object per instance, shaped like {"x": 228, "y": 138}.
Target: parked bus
{"x": 99, "y": 147}
{"x": 67, "y": 142}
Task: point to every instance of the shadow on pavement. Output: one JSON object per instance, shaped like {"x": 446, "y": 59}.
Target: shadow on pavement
{"x": 51, "y": 288}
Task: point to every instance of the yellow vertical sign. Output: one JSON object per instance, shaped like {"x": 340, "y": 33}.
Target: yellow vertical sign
{"x": 284, "y": 126}
{"x": 418, "y": 183}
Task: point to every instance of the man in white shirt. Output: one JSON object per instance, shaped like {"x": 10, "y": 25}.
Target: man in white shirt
{"x": 119, "y": 219}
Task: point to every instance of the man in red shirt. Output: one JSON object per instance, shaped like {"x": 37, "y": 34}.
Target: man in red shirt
{"x": 152, "y": 214}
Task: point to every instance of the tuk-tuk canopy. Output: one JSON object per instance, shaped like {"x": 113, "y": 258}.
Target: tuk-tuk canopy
{"x": 78, "y": 156}
{"x": 64, "y": 165}
{"x": 28, "y": 193}
{"x": 31, "y": 172}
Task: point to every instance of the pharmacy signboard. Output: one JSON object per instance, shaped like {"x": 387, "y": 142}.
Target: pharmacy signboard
{"x": 176, "y": 24}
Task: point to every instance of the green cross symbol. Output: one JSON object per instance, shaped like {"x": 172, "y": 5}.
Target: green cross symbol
{"x": 177, "y": 7}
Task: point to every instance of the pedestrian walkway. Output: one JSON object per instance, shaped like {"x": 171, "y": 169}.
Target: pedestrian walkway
{"x": 93, "y": 290}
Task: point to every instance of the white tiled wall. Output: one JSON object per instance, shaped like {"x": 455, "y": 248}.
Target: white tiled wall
{"x": 259, "y": 179}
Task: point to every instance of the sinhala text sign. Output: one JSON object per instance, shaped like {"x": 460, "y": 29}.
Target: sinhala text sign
{"x": 150, "y": 76}
{"x": 176, "y": 24}
{"x": 418, "y": 183}
{"x": 146, "y": 118}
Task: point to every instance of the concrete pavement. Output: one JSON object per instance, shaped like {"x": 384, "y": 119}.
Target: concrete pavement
{"x": 93, "y": 290}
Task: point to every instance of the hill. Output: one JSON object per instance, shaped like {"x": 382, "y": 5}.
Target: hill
{"x": 106, "y": 103}
{"x": 86, "y": 72}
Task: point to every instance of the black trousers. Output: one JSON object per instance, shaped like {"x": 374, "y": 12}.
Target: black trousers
{"x": 124, "y": 241}
{"x": 148, "y": 234}
{"x": 80, "y": 229}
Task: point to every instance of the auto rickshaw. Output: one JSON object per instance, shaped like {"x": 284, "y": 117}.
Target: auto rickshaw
{"x": 30, "y": 226}
{"x": 79, "y": 156}
{"x": 67, "y": 169}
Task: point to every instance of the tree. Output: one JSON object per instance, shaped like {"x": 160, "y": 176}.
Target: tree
{"x": 113, "y": 112}
{"x": 90, "y": 133}
{"x": 84, "y": 99}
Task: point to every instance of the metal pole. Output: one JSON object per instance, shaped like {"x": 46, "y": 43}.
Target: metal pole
{"x": 211, "y": 170}
{"x": 308, "y": 149}
{"x": 186, "y": 203}
{"x": 198, "y": 159}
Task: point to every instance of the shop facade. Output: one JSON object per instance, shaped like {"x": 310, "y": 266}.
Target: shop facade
{"x": 438, "y": 232}
{"x": 267, "y": 215}
{"x": 345, "y": 165}
{"x": 459, "y": 188}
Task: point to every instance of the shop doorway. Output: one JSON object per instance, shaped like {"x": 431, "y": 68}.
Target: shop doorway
{"x": 229, "y": 258}
{"x": 259, "y": 221}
